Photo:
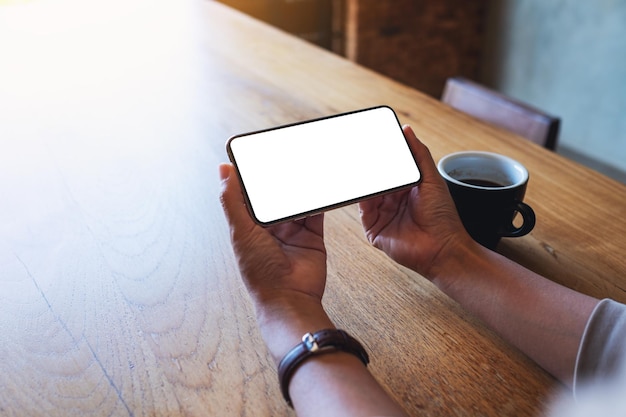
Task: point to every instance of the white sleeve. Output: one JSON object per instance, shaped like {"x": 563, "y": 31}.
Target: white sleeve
{"x": 602, "y": 349}
{"x": 600, "y": 374}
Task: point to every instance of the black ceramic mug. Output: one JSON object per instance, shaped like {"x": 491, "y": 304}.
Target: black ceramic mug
{"x": 488, "y": 190}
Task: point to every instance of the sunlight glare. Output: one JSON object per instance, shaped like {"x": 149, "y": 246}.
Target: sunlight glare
{"x": 98, "y": 70}
{"x": 91, "y": 92}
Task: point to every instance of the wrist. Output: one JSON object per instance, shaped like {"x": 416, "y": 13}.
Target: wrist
{"x": 452, "y": 261}
{"x": 286, "y": 318}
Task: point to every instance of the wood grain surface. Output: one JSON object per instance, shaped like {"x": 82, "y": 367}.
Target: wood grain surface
{"x": 119, "y": 293}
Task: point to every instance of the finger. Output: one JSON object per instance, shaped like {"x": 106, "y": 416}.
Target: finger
{"x": 315, "y": 224}
{"x": 232, "y": 200}
{"x": 306, "y": 233}
{"x": 369, "y": 205}
{"x": 368, "y": 211}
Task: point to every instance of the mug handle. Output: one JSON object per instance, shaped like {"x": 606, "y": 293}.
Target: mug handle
{"x": 529, "y": 221}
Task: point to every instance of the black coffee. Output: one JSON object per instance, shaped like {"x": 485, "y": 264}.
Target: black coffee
{"x": 481, "y": 182}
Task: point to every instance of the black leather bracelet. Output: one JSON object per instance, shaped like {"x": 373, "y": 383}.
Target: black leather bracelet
{"x": 323, "y": 341}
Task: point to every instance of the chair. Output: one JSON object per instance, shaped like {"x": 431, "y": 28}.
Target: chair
{"x": 500, "y": 110}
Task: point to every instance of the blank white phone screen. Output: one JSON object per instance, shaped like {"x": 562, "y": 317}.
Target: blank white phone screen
{"x": 305, "y": 168}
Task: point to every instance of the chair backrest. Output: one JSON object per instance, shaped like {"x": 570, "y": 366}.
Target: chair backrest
{"x": 498, "y": 109}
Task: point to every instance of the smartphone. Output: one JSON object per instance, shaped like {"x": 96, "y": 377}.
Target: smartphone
{"x": 297, "y": 170}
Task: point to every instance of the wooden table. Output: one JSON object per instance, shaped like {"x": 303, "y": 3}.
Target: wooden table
{"x": 119, "y": 294}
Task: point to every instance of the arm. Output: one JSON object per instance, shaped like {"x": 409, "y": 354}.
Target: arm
{"x": 420, "y": 229}
{"x": 284, "y": 270}
{"x": 541, "y": 318}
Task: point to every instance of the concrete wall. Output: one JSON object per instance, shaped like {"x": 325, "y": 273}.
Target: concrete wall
{"x": 567, "y": 57}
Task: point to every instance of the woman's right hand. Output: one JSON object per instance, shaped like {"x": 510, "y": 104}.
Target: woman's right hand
{"x": 417, "y": 227}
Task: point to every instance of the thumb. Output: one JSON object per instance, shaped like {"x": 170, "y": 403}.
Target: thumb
{"x": 421, "y": 153}
{"x": 232, "y": 200}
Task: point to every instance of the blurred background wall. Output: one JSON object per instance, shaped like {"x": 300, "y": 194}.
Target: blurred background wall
{"x": 566, "y": 57}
